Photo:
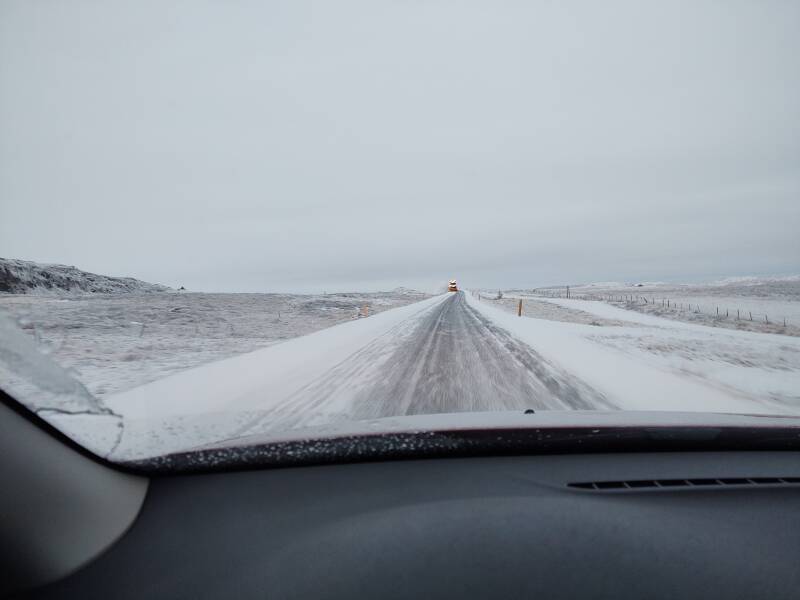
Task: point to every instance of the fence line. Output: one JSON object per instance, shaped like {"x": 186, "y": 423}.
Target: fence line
{"x": 679, "y": 306}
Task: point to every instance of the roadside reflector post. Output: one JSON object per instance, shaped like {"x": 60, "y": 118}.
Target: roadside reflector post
{"x": 519, "y": 308}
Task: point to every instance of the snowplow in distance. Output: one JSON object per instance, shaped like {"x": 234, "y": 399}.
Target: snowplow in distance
{"x": 452, "y": 287}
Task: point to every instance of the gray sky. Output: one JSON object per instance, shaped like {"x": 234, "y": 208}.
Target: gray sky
{"x": 265, "y": 146}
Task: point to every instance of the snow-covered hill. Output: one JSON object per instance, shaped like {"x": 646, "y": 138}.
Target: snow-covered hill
{"x": 26, "y": 277}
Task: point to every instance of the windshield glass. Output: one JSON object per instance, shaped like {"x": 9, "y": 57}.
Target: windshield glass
{"x": 222, "y": 222}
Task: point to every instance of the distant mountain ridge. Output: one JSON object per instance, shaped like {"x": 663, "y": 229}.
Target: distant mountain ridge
{"x": 27, "y": 277}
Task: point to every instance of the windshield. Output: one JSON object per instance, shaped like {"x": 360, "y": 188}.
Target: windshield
{"x": 223, "y": 223}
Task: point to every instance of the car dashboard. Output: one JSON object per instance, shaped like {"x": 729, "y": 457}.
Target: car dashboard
{"x": 600, "y": 525}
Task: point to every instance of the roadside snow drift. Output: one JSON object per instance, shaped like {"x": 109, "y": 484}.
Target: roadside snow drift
{"x": 642, "y": 362}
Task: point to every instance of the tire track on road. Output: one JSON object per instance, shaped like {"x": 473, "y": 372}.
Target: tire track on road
{"x": 464, "y": 363}
{"x": 447, "y": 358}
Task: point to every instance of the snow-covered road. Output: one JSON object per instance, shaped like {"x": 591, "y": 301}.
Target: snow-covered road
{"x": 449, "y": 358}
{"x": 448, "y": 354}
{"x": 457, "y": 360}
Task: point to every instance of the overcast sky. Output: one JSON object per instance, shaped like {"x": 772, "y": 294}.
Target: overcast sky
{"x": 266, "y": 146}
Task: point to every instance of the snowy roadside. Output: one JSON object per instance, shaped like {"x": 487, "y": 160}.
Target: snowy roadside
{"x": 642, "y": 362}
{"x": 111, "y": 343}
{"x": 221, "y": 399}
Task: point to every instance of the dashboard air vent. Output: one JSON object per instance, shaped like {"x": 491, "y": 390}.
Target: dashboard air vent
{"x": 636, "y": 484}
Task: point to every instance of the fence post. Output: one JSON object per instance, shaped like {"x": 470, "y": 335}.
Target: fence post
{"x": 519, "y": 308}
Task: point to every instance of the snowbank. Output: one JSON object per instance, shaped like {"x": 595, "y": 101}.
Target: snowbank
{"x": 260, "y": 379}
{"x": 658, "y": 376}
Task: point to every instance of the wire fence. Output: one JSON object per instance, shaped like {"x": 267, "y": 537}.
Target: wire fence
{"x": 664, "y": 304}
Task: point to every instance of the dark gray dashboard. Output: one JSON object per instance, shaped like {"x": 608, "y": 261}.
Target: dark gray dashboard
{"x": 465, "y": 528}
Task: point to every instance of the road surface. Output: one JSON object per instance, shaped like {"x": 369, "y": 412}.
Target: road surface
{"x": 448, "y": 359}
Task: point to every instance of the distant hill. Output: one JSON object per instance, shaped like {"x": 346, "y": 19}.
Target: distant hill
{"x": 26, "y": 277}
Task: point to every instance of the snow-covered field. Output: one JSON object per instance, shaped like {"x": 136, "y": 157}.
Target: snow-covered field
{"x": 114, "y": 342}
{"x": 746, "y": 303}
